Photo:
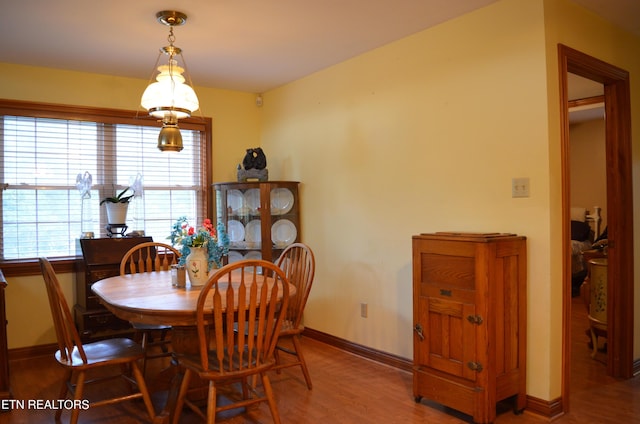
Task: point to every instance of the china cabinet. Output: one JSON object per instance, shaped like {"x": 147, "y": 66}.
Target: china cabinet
{"x": 469, "y": 311}
{"x": 261, "y": 218}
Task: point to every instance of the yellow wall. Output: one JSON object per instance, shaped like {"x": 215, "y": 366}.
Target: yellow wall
{"x": 424, "y": 134}
{"x": 588, "y": 167}
{"x": 29, "y": 321}
{"x": 421, "y": 135}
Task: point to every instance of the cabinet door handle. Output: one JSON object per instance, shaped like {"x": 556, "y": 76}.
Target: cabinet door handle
{"x": 418, "y": 330}
{"x": 474, "y": 319}
{"x": 102, "y": 319}
{"x": 475, "y": 366}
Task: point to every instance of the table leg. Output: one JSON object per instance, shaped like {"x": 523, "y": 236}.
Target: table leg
{"x": 183, "y": 340}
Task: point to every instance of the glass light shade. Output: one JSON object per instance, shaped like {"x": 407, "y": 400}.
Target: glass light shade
{"x": 169, "y": 94}
{"x": 170, "y": 139}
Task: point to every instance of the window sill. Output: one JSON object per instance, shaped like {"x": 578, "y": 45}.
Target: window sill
{"x": 26, "y": 267}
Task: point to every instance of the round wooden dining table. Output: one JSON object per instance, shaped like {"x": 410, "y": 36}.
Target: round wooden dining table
{"x": 150, "y": 298}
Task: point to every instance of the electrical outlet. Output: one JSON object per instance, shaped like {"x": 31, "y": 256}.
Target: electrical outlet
{"x": 364, "y": 310}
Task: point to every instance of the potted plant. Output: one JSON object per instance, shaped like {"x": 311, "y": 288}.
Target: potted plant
{"x": 117, "y": 207}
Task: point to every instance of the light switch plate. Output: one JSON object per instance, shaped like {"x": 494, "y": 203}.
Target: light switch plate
{"x": 520, "y": 187}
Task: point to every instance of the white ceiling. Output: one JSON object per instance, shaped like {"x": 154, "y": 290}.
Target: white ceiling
{"x": 248, "y": 45}
{"x": 583, "y": 88}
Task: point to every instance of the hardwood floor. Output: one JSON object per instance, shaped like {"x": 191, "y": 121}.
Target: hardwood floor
{"x": 596, "y": 397}
{"x": 346, "y": 389}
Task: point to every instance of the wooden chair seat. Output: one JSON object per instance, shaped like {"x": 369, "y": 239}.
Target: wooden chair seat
{"x": 115, "y": 351}
{"x": 149, "y": 327}
{"x": 289, "y": 328}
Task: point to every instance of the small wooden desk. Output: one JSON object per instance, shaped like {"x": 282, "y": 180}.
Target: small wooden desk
{"x": 149, "y": 298}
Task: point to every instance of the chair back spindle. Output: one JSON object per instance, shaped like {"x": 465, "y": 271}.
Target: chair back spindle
{"x": 149, "y": 257}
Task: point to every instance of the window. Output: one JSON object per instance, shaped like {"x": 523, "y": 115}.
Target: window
{"x": 46, "y": 150}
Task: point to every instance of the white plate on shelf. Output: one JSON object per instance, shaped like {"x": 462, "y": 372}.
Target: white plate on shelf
{"x": 234, "y": 200}
{"x": 281, "y": 201}
{"x": 235, "y": 230}
{"x": 252, "y": 232}
{"x": 283, "y": 233}
{"x": 235, "y": 256}
{"x": 252, "y": 200}
{"x": 254, "y": 255}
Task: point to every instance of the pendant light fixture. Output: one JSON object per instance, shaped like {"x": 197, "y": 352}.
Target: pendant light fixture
{"x": 170, "y": 97}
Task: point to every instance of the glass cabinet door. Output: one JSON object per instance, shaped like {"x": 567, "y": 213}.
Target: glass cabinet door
{"x": 261, "y": 218}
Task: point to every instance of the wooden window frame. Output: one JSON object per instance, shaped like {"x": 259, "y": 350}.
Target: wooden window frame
{"x": 26, "y": 267}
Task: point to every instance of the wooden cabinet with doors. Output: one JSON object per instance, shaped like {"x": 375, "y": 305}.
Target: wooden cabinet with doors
{"x": 469, "y": 311}
{"x": 100, "y": 259}
{"x": 261, "y": 218}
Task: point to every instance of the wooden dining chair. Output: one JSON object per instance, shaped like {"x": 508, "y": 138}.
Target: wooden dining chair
{"x": 79, "y": 359}
{"x": 594, "y": 290}
{"x": 149, "y": 257}
{"x": 298, "y": 263}
{"x": 236, "y": 344}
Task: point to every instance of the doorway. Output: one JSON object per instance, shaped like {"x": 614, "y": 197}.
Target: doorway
{"x": 619, "y": 208}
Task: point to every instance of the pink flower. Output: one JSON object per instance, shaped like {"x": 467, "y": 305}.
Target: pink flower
{"x": 208, "y": 226}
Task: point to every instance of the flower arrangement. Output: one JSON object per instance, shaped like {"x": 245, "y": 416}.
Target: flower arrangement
{"x": 215, "y": 240}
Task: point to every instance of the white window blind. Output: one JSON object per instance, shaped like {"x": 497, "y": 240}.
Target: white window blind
{"x": 41, "y": 158}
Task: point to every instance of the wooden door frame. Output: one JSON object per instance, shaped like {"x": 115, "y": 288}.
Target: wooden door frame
{"x": 619, "y": 210}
